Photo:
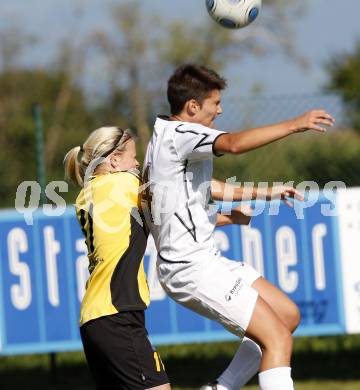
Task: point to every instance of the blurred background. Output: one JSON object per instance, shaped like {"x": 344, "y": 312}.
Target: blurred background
{"x": 88, "y": 63}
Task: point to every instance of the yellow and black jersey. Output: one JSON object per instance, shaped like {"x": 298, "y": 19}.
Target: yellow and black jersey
{"x": 109, "y": 212}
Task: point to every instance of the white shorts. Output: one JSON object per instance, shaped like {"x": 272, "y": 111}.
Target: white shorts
{"x": 216, "y": 287}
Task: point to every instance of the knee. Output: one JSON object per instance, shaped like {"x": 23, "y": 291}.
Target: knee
{"x": 294, "y": 318}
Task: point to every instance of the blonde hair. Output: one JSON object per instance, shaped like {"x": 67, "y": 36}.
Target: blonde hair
{"x": 100, "y": 144}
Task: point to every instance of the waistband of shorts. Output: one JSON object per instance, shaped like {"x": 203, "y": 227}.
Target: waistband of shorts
{"x": 194, "y": 258}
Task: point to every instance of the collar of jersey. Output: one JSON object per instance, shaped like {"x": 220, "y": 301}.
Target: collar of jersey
{"x": 135, "y": 172}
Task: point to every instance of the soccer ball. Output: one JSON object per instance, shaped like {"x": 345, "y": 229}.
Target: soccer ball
{"x": 233, "y": 13}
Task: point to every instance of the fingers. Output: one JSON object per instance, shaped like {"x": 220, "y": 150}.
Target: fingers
{"x": 326, "y": 122}
{"x": 285, "y": 192}
{"x": 323, "y": 114}
{"x": 292, "y": 193}
{"x": 319, "y": 118}
{"x": 316, "y": 120}
{"x": 243, "y": 209}
{"x": 241, "y": 215}
{"x": 298, "y": 196}
{"x": 318, "y": 128}
{"x": 246, "y": 210}
{"x": 288, "y": 203}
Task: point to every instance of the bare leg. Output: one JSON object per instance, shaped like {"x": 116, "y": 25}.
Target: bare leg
{"x": 274, "y": 338}
{"x": 162, "y": 387}
{"x": 280, "y": 303}
{"x": 246, "y": 362}
{"x": 278, "y": 317}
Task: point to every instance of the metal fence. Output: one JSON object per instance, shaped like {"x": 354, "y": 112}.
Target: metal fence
{"x": 311, "y": 156}
{"x": 243, "y": 112}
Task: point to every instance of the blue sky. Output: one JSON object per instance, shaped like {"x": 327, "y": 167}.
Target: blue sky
{"x": 330, "y": 27}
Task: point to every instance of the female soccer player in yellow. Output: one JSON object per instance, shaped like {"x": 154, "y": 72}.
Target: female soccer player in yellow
{"x": 108, "y": 208}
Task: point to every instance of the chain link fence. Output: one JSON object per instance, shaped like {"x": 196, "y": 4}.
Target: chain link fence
{"x": 244, "y": 112}
{"x": 333, "y": 156}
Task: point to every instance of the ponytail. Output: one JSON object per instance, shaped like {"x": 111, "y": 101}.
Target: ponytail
{"x": 73, "y": 171}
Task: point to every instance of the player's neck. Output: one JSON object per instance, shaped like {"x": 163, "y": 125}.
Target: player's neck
{"x": 182, "y": 118}
{"x": 179, "y": 118}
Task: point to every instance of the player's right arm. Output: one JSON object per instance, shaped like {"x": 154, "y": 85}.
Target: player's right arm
{"x": 246, "y": 140}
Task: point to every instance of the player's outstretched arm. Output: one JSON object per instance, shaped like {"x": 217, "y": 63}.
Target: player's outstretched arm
{"x": 231, "y": 193}
{"x": 228, "y": 192}
{"x": 246, "y": 140}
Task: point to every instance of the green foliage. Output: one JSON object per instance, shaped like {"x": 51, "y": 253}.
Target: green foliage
{"x": 138, "y": 65}
{"x": 66, "y": 120}
{"x": 132, "y": 97}
{"x": 204, "y": 44}
{"x": 319, "y": 363}
{"x": 345, "y": 80}
{"x": 320, "y": 158}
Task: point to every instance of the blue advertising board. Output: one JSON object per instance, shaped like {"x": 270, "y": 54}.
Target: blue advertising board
{"x": 43, "y": 271}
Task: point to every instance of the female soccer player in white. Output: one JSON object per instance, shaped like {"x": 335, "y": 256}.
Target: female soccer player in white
{"x": 178, "y": 169}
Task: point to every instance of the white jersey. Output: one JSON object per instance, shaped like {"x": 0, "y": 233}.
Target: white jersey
{"x": 178, "y": 170}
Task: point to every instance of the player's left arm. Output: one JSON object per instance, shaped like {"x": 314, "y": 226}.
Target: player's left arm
{"x": 222, "y": 191}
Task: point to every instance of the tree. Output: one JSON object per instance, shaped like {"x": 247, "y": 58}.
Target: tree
{"x": 20, "y": 88}
{"x": 127, "y": 61}
{"x": 345, "y": 80}
{"x": 133, "y": 66}
{"x": 138, "y": 64}
{"x": 12, "y": 43}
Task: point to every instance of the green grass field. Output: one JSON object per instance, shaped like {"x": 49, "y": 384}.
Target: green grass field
{"x": 328, "y": 363}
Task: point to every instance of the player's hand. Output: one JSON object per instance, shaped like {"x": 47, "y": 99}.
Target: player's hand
{"x": 241, "y": 215}
{"x": 312, "y": 120}
{"x": 284, "y": 193}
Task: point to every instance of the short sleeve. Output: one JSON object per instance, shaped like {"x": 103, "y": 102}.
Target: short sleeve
{"x": 195, "y": 142}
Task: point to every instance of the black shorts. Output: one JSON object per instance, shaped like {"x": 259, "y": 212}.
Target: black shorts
{"x": 119, "y": 353}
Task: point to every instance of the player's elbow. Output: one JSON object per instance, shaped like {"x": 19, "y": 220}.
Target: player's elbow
{"x": 235, "y": 149}
{"x": 228, "y": 143}
{"x": 226, "y": 148}
{"x": 233, "y": 146}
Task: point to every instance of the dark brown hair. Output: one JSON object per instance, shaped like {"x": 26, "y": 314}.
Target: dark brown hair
{"x": 191, "y": 81}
